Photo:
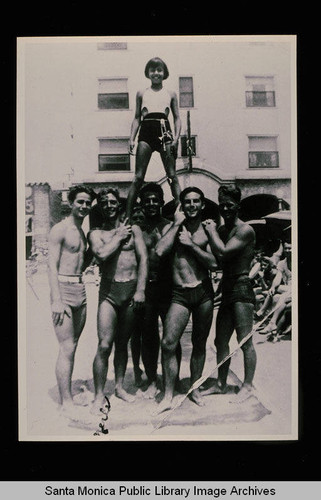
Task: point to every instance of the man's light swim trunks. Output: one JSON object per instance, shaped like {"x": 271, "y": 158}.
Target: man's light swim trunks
{"x": 72, "y": 291}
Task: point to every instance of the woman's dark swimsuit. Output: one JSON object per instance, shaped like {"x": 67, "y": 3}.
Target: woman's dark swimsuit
{"x": 155, "y": 130}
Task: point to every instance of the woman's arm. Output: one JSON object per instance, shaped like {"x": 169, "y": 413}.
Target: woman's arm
{"x": 176, "y": 117}
{"x": 136, "y": 121}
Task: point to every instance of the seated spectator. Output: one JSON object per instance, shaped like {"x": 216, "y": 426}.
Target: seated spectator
{"x": 262, "y": 274}
{"x": 279, "y": 296}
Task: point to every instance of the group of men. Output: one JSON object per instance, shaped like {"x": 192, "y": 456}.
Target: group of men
{"x": 158, "y": 269}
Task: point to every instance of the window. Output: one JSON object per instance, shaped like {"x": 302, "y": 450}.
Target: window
{"x": 263, "y": 152}
{"x": 113, "y": 155}
{"x": 112, "y": 46}
{"x": 186, "y": 95}
{"x": 113, "y": 94}
{"x": 28, "y": 224}
{"x": 185, "y": 145}
{"x": 260, "y": 91}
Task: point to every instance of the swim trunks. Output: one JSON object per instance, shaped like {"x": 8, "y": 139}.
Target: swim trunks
{"x": 155, "y": 130}
{"x": 117, "y": 293}
{"x": 73, "y": 294}
{"x": 195, "y": 296}
{"x": 237, "y": 288}
{"x": 158, "y": 294}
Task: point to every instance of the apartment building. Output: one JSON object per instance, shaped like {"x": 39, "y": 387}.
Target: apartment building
{"x": 236, "y": 99}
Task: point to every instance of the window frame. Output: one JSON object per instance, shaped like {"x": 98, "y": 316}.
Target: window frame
{"x": 115, "y": 156}
{"x": 261, "y": 149}
{"x": 110, "y": 95}
{"x": 114, "y": 153}
{"x": 194, "y": 146}
{"x": 268, "y": 82}
{"x": 260, "y": 154}
{"x": 254, "y": 93}
{"x": 186, "y": 93}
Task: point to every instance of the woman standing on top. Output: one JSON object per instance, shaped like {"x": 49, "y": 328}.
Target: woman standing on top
{"x": 153, "y": 106}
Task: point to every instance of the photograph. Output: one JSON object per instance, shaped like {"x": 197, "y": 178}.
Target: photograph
{"x": 154, "y": 286}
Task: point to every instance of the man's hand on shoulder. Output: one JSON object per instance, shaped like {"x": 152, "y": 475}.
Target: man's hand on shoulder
{"x": 124, "y": 230}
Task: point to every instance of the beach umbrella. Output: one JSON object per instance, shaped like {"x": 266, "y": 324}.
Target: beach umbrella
{"x": 283, "y": 218}
{"x": 265, "y": 231}
{"x": 278, "y": 220}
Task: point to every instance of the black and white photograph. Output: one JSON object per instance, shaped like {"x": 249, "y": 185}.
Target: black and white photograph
{"x": 155, "y": 291}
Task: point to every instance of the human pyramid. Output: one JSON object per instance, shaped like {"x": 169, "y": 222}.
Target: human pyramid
{"x": 152, "y": 268}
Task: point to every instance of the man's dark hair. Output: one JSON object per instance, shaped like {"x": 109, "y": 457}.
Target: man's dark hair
{"x": 105, "y": 191}
{"x": 232, "y": 191}
{"x": 153, "y": 63}
{"x": 152, "y": 187}
{"x": 74, "y": 190}
{"x": 191, "y": 189}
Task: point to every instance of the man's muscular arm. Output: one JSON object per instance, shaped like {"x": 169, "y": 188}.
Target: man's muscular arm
{"x": 142, "y": 270}
{"x": 206, "y": 258}
{"x": 165, "y": 244}
{"x": 104, "y": 250}
{"x": 244, "y": 235}
{"x": 56, "y": 239}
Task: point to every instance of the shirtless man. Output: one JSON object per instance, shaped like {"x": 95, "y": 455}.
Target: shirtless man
{"x": 158, "y": 288}
{"x": 122, "y": 252}
{"x": 192, "y": 292}
{"x": 67, "y": 245}
{"x": 233, "y": 244}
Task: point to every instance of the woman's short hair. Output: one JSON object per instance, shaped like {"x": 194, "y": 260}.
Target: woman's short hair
{"x": 153, "y": 63}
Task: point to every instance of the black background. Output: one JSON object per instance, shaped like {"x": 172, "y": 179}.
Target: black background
{"x": 168, "y": 461}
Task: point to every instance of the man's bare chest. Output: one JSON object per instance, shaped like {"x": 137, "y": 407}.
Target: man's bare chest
{"x": 74, "y": 240}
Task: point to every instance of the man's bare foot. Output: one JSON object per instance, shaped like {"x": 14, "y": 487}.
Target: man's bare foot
{"x": 138, "y": 377}
{"x": 244, "y": 393}
{"x": 179, "y": 386}
{"x": 151, "y": 391}
{"x": 84, "y": 397}
{"x": 75, "y": 413}
{"x": 215, "y": 388}
{"x": 197, "y": 397}
{"x": 164, "y": 405}
{"x": 125, "y": 396}
{"x": 98, "y": 405}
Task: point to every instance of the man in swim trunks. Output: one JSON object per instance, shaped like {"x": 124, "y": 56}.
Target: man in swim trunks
{"x": 192, "y": 292}
{"x": 153, "y": 106}
{"x": 159, "y": 283}
{"x": 122, "y": 252}
{"x": 67, "y": 245}
{"x": 233, "y": 244}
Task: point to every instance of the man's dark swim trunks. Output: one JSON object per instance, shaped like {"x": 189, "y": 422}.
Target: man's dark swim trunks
{"x": 117, "y": 293}
{"x": 193, "y": 297}
{"x": 237, "y": 288}
{"x": 155, "y": 130}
